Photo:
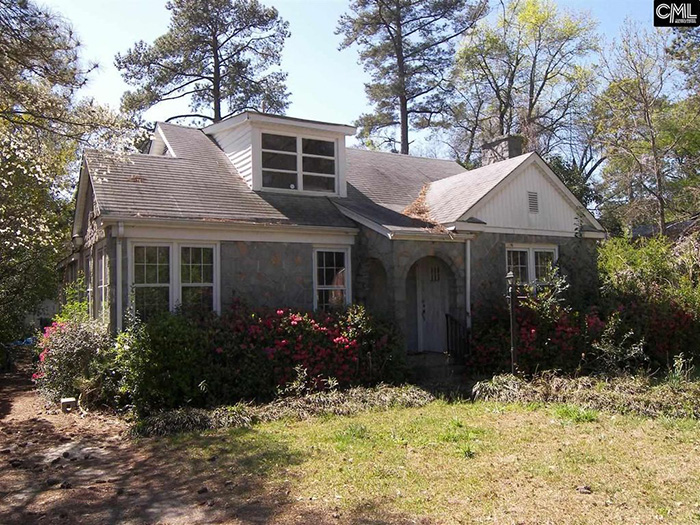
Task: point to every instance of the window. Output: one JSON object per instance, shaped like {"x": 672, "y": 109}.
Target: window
{"x": 197, "y": 277}
{"x": 331, "y": 279}
{"x": 296, "y": 163}
{"x": 530, "y": 264}
{"x": 101, "y": 284}
{"x": 89, "y": 282}
{"x": 151, "y": 280}
{"x": 164, "y": 276}
{"x": 517, "y": 263}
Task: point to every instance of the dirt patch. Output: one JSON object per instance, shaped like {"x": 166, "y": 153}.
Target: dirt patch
{"x": 73, "y": 468}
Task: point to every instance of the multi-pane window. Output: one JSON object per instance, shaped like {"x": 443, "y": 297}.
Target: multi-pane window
{"x": 331, "y": 279}
{"x": 101, "y": 284}
{"x": 530, "y": 264}
{"x": 197, "y": 277}
{"x": 151, "y": 280}
{"x": 518, "y": 264}
{"x": 544, "y": 262}
{"x": 297, "y": 163}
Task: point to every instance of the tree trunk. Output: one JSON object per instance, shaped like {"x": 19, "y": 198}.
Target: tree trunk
{"x": 216, "y": 82}
{"x": 403, "y": 99}
{"x": 661, "y": 204}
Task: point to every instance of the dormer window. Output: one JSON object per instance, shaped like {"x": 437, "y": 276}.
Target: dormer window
{"x": 298, "y": 163}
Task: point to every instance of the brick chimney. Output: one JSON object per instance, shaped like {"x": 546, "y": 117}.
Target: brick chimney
{"x": 501, "y": 148}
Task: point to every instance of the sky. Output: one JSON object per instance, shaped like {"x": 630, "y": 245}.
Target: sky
{"x": 325, "y": 83}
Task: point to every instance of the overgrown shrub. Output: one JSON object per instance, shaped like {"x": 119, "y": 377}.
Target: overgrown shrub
{"x": 627, "y": 394}
{"x": 178, "y": 360}
{"x": 549, "y": 334}
{"x": 649, "y": 313}
{"x": 70, "y": 359}
{"x": 241, "y": 415}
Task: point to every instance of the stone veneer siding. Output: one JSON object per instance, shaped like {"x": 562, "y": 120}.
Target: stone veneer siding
{"x": 267, "y": 274}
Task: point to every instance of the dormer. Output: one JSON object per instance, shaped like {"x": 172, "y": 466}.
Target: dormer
{"x": 284, "y": 154}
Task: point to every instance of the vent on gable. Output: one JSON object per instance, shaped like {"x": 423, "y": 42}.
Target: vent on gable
{"x": 533, "y": 202}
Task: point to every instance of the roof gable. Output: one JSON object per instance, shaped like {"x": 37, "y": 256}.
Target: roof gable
{"x": 502, "y": 195}
{"x": 450, "y": 198}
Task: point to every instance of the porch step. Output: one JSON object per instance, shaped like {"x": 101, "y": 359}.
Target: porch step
{"x": 436, "y": 369}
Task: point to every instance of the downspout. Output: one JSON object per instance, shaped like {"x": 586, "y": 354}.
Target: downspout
{"x": 120, "y": 306}
{"x": 468, "y": 281}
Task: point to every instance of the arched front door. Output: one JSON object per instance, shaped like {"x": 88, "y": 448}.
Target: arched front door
{"x": 433, "y": 303}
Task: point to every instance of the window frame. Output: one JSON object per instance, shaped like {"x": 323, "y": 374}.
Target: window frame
{"x": 300, "y": 155}
{"x": 348, "y": 272}
{"x": 212, "y": 284}
{"x": 102, "y": 290}
{"x": 531, "y": 250}
{"x": 175, "y": 285}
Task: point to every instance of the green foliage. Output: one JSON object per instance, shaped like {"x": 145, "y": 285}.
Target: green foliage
{"x": 30, "y": 233}
{"x": 617, "y": 351}
{"x": 71, "y": 359}
{"x": 523, "y": 70}
{"x": 75, "y": 305}
{"x": 176, "y": 360}
{"x": 406, "y": 46}
{"x": 218, "y": 53}
{"x": 575, "y": 414}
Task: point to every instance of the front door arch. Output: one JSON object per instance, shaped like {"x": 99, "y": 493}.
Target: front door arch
{"x": 432, "y": 281}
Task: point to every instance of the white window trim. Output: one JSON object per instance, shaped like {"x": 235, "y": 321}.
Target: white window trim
{"x": 531, "y": 249}
{"x": 348, "y": 270}
{"x": 338, "y": 146}
{"x": 175, "y": 285}
{"x": 102, "y": 291}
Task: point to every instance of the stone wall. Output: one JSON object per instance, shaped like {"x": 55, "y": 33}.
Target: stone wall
{"x": 267, "y": 274}
{"x": 398, "y": 259}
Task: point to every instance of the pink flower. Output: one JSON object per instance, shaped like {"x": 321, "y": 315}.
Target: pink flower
{"x": 219, "y": 350}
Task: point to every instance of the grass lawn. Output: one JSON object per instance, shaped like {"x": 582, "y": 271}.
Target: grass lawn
{"x": 467, "y": 463}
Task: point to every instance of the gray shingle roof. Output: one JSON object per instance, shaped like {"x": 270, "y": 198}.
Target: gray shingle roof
{"x": 199, "y": 184}
{"x": 381, "y": 185}
{"x": 449, "y": 198}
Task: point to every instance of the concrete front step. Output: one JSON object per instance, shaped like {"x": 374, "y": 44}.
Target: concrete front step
{"x": 436, "y": 368}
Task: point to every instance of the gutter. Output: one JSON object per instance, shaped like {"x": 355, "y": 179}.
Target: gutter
{"x": 225, "y": 225}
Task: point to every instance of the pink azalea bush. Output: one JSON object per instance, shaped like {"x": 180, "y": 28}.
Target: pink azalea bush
{"x": 178, "y": 359}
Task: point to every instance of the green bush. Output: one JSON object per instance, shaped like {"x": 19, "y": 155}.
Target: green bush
{"x": 72, "y": 358}
{"x": 177, "y": 360}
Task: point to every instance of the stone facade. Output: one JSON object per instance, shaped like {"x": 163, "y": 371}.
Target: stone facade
{"x": 397, "y": 259}
{"x": 267, "y": 274}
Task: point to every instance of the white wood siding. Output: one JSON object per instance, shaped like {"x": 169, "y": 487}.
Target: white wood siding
{"x": 237, "y": 143}
{"x": 509, "y": 206}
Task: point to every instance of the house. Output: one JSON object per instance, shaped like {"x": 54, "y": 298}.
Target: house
{"x": 278, "y": 212}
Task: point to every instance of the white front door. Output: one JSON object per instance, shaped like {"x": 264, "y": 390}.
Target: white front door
{"x": 433, "y": 303}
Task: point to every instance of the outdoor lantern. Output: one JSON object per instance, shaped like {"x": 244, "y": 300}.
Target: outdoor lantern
{"x": 510, "y": 278}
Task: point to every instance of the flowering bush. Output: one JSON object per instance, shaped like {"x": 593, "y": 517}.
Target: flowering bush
{"x": 68, "y": 358}
{"x": 650, "y": 312}
{"x": 177, "y": 360}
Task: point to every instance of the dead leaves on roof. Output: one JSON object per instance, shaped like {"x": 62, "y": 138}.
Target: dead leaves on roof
{"x": 420, "y": 210}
